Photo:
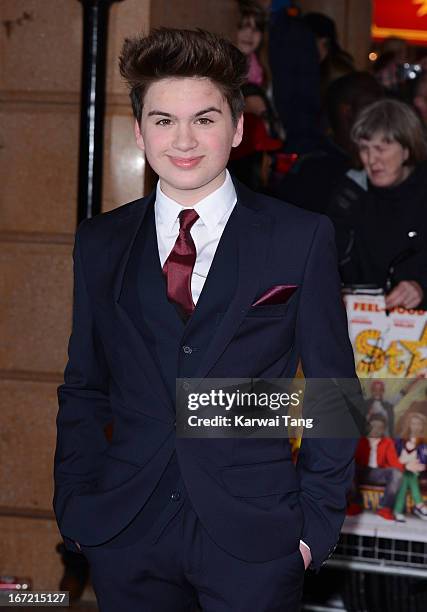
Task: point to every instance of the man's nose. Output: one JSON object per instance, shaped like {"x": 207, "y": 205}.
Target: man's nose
{"x": 184, "y": 139}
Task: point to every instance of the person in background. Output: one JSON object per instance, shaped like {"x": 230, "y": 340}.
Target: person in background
{"x": 257, "y": 103}
{"x": 251, "y": 162}
{"x": 419, "y": 97}
{"x": 334, "y": 61}
{"x": 398, "y": 46}
{"x": 393, "y": 54}
{"x": 385, "y": 70}
{"x": 380, "y": 213}
{"x": 250, "y": 41}
{"x": 295, "y": 77}
{"x": 345, "y": 99}
{"x": 315, "y": 176}
{"x": 412, "y": 445}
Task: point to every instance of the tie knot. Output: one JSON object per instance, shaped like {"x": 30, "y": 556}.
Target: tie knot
{"x": 187, "y": 218}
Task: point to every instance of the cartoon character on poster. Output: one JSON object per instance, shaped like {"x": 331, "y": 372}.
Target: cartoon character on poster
{"x": 411, "y": 448}
{"x": 377, "y": 464}
{"x": 391, "y": 461}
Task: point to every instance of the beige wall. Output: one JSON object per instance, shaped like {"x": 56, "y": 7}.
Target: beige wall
{"x": 219, "y": 16}
{"x": 39, "y": 114}
{"x": 353, "y": 20}
{"x": 40, "y": 53}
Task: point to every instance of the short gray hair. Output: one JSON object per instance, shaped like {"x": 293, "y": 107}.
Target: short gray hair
{"x": 397, "y": 122}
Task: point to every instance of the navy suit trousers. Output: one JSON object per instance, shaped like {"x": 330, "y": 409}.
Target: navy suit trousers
{"x": 178, "y": 568}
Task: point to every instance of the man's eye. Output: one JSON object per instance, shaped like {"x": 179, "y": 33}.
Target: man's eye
{"x": 163, "y": 122}
{"x": 204, "y": 120}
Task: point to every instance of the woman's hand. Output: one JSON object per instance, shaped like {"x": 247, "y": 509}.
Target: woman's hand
{"x": 407, "y": 294}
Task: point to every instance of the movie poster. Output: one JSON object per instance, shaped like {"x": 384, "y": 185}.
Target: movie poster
{"x": 389, "y": 493}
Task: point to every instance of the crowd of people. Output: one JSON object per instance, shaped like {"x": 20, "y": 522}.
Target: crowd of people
{"x": 346, "y": 143}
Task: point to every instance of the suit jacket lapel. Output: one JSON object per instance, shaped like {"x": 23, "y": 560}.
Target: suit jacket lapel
{"x": 124, "y": 241}
{"x": 253, "y": 231}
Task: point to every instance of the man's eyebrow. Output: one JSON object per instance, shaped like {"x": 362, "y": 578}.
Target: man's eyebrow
{"x": 210, "y": 109}
{"x": 158, "y": 112}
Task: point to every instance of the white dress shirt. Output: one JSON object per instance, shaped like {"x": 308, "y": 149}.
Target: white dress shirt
{"x": 214, "y": 212}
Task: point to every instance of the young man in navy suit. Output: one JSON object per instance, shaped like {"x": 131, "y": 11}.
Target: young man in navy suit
{"x": 202, "y": 278}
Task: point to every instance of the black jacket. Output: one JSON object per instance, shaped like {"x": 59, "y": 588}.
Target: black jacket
{"x": 378, "y": 226}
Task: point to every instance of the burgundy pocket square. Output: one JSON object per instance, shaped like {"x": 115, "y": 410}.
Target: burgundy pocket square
{"x": 279, "y": 294}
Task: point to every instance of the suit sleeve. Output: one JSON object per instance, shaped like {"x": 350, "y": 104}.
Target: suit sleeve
{"x": 325, "y": 465}
{"x": 84, "y": 407}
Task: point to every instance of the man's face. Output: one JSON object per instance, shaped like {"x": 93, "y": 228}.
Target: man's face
{"x": 187, "y": 133}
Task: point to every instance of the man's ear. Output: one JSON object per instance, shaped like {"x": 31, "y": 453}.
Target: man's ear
{"x": 238, "y": 134}
{"x": 138, "y": 136}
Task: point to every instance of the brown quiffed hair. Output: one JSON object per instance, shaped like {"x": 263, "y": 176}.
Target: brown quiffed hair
{"x": 169, "y": 53}
{"x": 397, "y": 122}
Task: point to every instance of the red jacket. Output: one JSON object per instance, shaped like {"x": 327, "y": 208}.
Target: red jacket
{"x": 386, "y": 454}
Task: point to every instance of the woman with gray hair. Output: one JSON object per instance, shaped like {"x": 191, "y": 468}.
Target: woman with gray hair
{"x": 380, "y": 212}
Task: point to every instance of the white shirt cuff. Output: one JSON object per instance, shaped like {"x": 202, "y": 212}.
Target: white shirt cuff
{"x": 306, "y": 545}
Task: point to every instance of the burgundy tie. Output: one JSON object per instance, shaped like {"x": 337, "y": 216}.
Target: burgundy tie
{"x": 178, "y": 267}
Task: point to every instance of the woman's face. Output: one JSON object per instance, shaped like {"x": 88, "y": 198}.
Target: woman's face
{"x": 384, "y": 161}
{"x": 248, "y": 36}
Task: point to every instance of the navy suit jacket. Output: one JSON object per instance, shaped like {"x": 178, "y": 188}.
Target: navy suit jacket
{"x": 247, "y": 493}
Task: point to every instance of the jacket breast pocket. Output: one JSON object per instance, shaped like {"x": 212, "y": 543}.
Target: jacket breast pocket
{"x": 273, "y": 310}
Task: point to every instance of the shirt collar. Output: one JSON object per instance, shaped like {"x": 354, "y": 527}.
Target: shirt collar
{"x": 210, "y": 210}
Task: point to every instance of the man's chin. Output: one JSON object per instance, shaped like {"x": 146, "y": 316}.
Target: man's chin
{"x": 191, "y": 183}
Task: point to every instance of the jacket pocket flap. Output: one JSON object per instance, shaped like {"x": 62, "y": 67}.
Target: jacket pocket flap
{"x": 261, "y": 479}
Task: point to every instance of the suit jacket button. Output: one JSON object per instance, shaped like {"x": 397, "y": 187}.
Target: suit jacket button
{"x": 187, "y": 349}
{"x": 175, "y": 496}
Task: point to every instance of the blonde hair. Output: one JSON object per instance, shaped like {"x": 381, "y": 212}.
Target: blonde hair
{"x": 406, "y": 433}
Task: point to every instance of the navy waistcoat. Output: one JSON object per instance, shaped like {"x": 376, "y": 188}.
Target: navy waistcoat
{"x": 177, "y": 346}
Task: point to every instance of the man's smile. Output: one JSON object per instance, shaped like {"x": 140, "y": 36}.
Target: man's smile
{"x": 185, "y": 162}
